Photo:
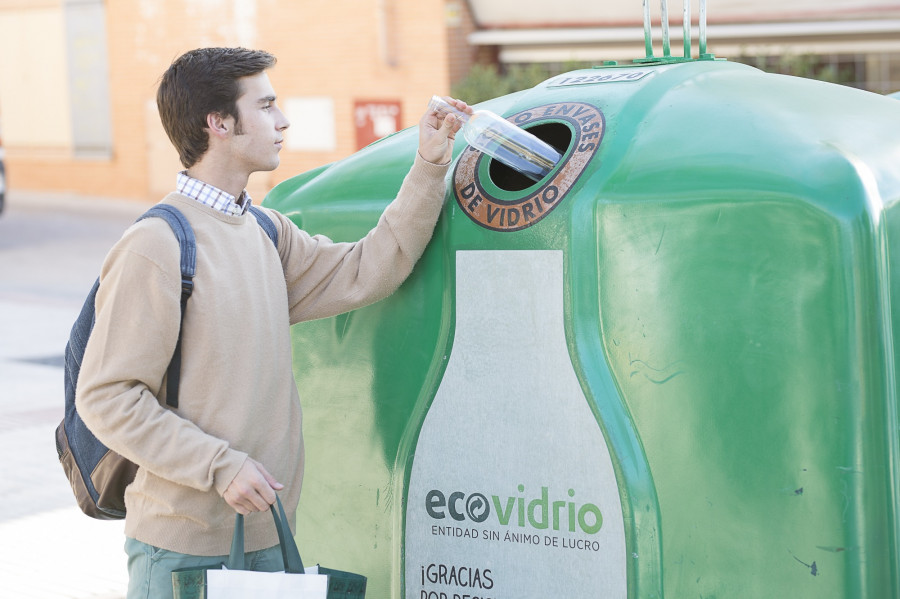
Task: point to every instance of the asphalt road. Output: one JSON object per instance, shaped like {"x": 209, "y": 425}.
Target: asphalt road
{"x": 51, "y": 249}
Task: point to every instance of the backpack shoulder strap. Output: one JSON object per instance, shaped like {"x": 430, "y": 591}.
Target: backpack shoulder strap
{"x": 266, "y": 223}
{"x": 188, "y": 243}
{"x": 183, "y": 232}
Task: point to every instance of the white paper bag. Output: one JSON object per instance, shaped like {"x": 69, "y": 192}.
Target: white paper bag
{"x": 241, "y": 584}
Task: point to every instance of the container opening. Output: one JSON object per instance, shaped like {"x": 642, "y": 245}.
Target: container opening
{"x": 506, "y": 178}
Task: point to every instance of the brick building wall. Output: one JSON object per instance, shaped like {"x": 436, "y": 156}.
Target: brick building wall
{"x": 335, "y": 51}
{"x": 461, "y": 54}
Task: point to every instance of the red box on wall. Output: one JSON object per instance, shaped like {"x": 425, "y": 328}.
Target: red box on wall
{"x": 374, "y": 119}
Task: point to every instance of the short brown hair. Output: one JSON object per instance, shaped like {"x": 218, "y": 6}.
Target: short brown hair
{"x": 201, "y": 82}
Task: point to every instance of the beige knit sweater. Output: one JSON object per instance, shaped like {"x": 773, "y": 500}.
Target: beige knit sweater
{"x": 238, "y": 397}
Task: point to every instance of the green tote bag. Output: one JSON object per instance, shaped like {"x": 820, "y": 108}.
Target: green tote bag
{"x": 232, "y": 581}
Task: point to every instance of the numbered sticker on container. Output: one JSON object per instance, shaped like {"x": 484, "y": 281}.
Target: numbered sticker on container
{"x": 605, "y": 77}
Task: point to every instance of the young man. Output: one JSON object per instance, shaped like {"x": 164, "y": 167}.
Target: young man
{"x": 235, "y": 437}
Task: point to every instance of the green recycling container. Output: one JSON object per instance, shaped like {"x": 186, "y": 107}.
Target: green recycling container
{"x": 665, "y": 370}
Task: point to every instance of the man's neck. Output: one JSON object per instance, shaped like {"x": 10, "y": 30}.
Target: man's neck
{"x": 229, "y": 181}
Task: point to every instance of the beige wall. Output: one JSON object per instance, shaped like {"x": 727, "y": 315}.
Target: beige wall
{"x": 33, "y": 78}
{"x": 341, "y": 50}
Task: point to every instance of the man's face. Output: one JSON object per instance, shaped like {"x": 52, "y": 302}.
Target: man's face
{"x": 259, "y": 132}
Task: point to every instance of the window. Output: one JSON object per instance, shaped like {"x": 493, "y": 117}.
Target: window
{"x": 54, "y": 81}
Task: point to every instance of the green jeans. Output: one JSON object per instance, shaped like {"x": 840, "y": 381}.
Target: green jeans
{"x": 150, "y": 568}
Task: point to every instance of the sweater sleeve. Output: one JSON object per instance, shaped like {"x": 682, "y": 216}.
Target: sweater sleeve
{"x": 138, "y": 317}
{"x": 326, "y": 278}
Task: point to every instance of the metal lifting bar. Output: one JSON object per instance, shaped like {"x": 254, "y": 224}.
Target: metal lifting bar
{"x": 664, "y": 24}
{"x": 702, "y": 28}
{"x": 648, "y": 38}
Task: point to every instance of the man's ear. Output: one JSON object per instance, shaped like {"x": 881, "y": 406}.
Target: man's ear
{"x": 219, "y": 125}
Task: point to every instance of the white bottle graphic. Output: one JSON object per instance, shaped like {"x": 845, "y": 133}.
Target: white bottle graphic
{"x": 495, "y": 136}
{"x": 512, "y": 490}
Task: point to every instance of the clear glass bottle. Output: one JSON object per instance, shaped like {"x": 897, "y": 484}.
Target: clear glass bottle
{"x": 502, "y": 140}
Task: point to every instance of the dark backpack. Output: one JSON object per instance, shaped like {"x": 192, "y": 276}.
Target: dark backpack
{"x": 97, "y": 474}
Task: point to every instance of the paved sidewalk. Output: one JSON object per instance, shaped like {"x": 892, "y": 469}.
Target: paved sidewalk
{"x": 51, "y": 248}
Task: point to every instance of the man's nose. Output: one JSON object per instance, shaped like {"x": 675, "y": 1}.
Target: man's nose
{"x": 283, "y": 122}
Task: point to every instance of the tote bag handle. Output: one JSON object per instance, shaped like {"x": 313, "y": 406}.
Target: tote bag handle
{"x": 289, "y": 552}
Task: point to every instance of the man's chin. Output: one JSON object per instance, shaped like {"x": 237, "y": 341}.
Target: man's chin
{"x": 271, "y": 166}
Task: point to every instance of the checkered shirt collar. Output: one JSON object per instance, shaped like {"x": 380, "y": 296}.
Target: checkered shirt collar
{"x": 212, "y": 196}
